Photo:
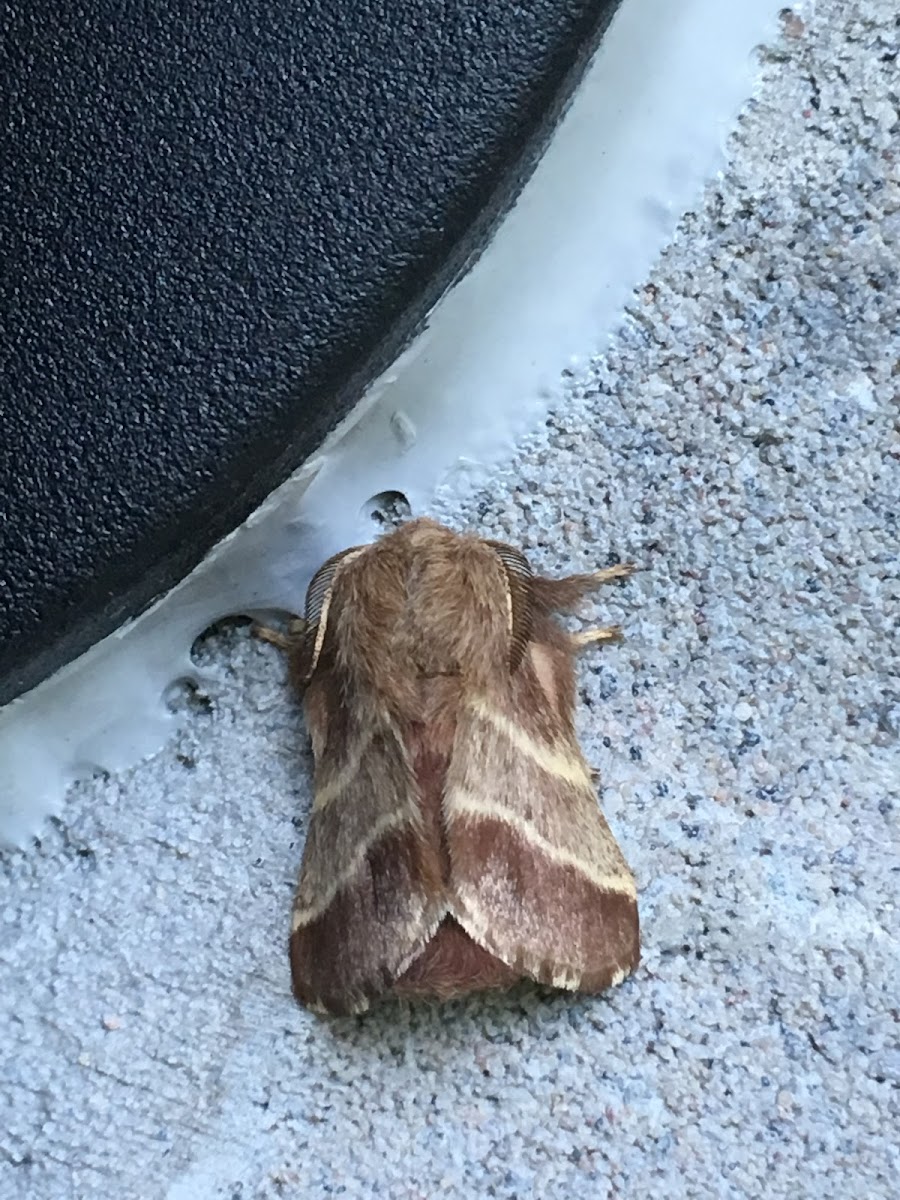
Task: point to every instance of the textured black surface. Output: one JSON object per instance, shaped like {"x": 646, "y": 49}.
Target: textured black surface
{"x": 218, "y": 223}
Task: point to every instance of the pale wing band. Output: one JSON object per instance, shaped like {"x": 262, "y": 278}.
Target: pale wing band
{"x": 461, "y": 803}
{"x": 309, "y": 913}
{"x": 562, "y": 764}
{"x": 328, "y": 792}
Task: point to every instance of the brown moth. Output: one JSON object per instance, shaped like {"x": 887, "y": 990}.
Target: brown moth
{"x": 455, "y": 841}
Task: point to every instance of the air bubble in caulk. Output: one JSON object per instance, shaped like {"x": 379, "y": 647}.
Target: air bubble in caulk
{"x": 403, "y": 429}
{"x": 388, "y": 509}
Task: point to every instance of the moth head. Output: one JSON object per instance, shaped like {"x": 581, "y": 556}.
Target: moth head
{"x": 518, "y": 574}
{"x": 318, "y": 605}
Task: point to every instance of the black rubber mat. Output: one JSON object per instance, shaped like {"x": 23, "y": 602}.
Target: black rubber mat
{"x": 219, "y": 222}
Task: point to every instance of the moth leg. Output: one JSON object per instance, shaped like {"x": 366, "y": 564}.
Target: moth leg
{"x": 617, "y": 571}
{"x": 273, "y": 636}
{"x": 277, "y": 637}
{"x": 589, "y": 637}
{"x": 606, "y": 633}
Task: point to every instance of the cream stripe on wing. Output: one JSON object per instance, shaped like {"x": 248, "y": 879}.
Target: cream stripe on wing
{"x": 461, "y": 803}
{"x": 341, "y": 779}
{"x": 561, "y": 764}
{"x": 328, "y": 792}
{"x": 394, "y": 820}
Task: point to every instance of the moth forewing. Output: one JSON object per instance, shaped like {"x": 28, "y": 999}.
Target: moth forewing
{"x": 538, "y": 878}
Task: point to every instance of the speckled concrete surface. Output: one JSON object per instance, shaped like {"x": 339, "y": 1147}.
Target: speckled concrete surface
{"x": 739, "y": 440}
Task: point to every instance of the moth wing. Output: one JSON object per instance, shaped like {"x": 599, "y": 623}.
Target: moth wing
{"x": 370, "y": 893}
{"x": 536, "y": 876}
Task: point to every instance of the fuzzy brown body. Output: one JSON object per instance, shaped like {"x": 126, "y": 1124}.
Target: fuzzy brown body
{"x": 455, "y": 841}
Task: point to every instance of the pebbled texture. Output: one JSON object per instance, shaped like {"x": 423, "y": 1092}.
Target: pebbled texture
{"x": 219, "y": 225}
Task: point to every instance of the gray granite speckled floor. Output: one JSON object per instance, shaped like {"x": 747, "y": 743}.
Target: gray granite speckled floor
{"x": 739, "y": 440}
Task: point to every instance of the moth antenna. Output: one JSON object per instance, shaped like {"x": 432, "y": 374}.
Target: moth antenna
{"x": 519, "y": 598}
